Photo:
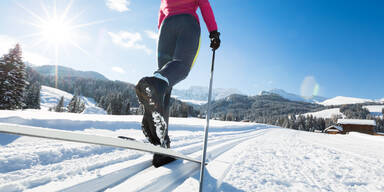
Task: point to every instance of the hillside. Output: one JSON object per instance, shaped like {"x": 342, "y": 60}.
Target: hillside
{"x": 342, "y": 100}
{"x": 240, "y": 107}
{"x": 49, "y": 97}
{"x": 199, "y": 95}
{"x": 50, "y": 70}
{"x": 294, "y": 97}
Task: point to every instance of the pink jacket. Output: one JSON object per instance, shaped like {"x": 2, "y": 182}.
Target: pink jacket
{"x": 176, "y": 7}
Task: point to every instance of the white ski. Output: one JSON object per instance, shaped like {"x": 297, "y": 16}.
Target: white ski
{"x": 90, "y": 139}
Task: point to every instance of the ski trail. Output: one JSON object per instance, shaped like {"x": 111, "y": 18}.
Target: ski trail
{"x": 170, "y": 176}
{"x": 111, "y": 179}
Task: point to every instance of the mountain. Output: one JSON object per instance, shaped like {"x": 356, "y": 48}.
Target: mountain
{"x": 242, "y": 107}
{"x": 342, "y": 100}
{"x": 49, "y": 70}
{"x": 294, "y": 97}
{"x": 199, "y": 94}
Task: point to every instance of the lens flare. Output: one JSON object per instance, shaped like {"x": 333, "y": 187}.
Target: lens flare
{"x": 309, "y": 87}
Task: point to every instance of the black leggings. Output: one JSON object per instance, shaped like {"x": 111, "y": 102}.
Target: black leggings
{"x": 178, "y": 47}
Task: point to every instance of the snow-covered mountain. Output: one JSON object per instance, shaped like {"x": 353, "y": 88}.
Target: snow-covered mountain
{"x": 293, "y": 97}
{"x": 49, "y": 97}
{"x": 199, "y": 94}
{"x": 49, "y": 70}
{"x": 242, "y": 157}
{"x": 342, "y": 100}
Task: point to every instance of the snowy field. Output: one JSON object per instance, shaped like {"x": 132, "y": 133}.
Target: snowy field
{"x": 242, "y": 157}
{"x": 50, "y": 97}
{"x": 327, "y": 113}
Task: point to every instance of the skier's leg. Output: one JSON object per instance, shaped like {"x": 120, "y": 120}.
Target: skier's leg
{"x": 186, "y": 50}
{"x": 166, "y": 47}
{"x": 176, "y": 54}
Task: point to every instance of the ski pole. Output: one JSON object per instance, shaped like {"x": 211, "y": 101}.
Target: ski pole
{"x": 202, "y": 168}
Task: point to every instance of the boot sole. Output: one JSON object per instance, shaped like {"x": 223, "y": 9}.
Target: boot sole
{"x": 152, "y": 109}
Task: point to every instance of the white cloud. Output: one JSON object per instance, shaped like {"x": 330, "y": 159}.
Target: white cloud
{"x": 7, "y": 42}
{"x": 118, "y": 5}
{"x": 118, "y": 70}
{"x": 152, "y": 34}
{"x": 129, "y": 40}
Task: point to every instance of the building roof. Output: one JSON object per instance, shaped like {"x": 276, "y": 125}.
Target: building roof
{"x": 332, "y": 127}
{"x": 356, "y": 122}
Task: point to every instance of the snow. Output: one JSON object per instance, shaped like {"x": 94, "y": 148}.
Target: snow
{"x": 242, "y": 157}
{"x": 375, "y": 110}
{"x": 195, "y": 102}
{"x": 50, "y": 97}
{"x": 341, "y": 100}
{"x": 294, "y": 97}
{"x": 356, "y": 122}
{"x": 327, "y": 113}
{"x": 333, "y": 128}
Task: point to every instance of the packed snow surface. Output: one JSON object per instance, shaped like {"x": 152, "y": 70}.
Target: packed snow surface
{"x": 341, "y": 100}
{"x": 242, "y": 157}
{"x": 327, "y": 113}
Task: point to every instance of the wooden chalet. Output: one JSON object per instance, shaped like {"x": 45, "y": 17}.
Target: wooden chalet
{"x": 357, "y": 125}
{"x": 333, "y": 129}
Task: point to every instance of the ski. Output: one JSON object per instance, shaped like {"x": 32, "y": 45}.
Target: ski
{"x": 48, "y": 133}
{"x": 126, "y": 138}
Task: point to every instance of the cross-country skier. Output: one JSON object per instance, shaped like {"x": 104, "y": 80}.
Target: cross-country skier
{"x": 178, "y": 47}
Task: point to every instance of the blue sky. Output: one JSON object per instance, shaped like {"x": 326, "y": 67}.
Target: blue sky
{"x": 327, "y": 47}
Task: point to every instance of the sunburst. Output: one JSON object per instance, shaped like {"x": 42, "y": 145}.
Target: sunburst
{"x": 56, "y": 30}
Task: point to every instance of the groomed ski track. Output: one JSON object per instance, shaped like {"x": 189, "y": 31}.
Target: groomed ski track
{"x": 242, "y": 157}
{"x": 122, "y": 166}
{"x": 171, "y": 175}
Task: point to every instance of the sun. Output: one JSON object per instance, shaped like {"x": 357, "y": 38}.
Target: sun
{"x": 57, "y": 31}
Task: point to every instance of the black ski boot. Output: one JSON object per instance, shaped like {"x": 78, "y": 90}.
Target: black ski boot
{"x": 151, "y": 92}
{"x": 160, "y": 160}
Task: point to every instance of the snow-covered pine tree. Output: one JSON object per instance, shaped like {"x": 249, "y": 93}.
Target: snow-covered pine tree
{"x": 76, "y": 105}
{"x": 59, "y": 107}
{"x": 126, "y": 108}
{"x": 32, "y": 96}
{"x": 12, "y": 79}
{"x": 109, "y": 109}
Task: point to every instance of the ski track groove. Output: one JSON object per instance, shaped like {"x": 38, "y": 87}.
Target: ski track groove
{"x": 185, "y": 147}
{"x": 180, "y": 172}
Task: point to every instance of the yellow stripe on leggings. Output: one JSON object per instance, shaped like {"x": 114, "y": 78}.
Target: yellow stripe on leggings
{"x": 197, "y": 53}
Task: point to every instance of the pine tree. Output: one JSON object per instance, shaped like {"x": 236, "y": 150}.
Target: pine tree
{"x": 32, "y": 96}
{"x": 12, "y": 79}
{"x": 59, "y": 107}
{"x": 109, "y": 109}
{"x": 76, "y": 105}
